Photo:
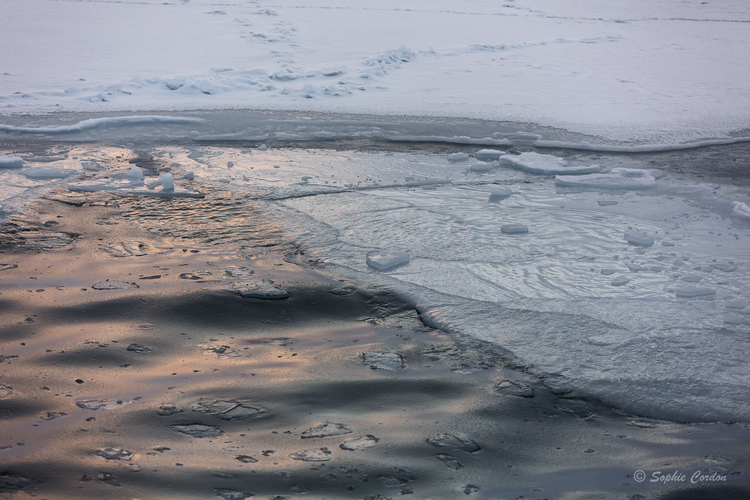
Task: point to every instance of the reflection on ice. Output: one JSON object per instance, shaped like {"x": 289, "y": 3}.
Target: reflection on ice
{"x": 597, "y": 295}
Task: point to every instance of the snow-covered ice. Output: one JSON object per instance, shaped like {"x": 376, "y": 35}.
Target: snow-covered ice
{"x": 536, "y": 163}
{"x": 11, "y": 161}
{"x": 638, "y": 72}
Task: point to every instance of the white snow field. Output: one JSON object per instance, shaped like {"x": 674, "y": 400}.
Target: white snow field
{"x": 647, "y": 72}
{"x": 608, "y": 279}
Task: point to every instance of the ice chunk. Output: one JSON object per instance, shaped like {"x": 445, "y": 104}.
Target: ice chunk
{"x": 741, "y": 210}
{"x": 488, "y": 154}
{"x": 384, "y": 261}
{"x": 617, "y": 178}
{"x": 514, "y": 229}
{"x": 498, "y": 190}
{"x": 114, "y": 454}
{"x": 11, "y": 161}
{"x": 257, "y": 289}
{"x": 325, "y": 430}
{"x": 359, "y": 443}
{"x": 114, "y": 285}
{"x": 101, "y": 404}
{"x": 135, "y": 173}
{"x": 481, "y": 166}
{"x": 639, "y": 238}
{"x": 390, "y": 361}
{"x": 231, "y": 409}
{"x": 314, "y": 455}
{"x": 536, "y": 163}
{"x": 125, "y": 249}
{"x": 457, "y": 157}
{"x": 608, "y": 271}
{"x": 45, "y": 173}
{"x": 453, "y": 441}
{"x": 197, "y": 430}
{"x": 620, "y": 281}
{"x": 691, "y": 292}
{"x": 737, "y": 304}
{"x": 167, "y": 182}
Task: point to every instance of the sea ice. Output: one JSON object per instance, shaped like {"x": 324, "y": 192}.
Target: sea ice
{"x": 638, "y": 238}
{"x": 325, "y": 430}
{"x": 384, "y": 261}
{"x": 390, "y": 361}
{"x": 691, "y": 292}
{"x": 498, "y": 190}
{"x": 47, "y": 173}
{"x": 314, "y": 455}
{"x": 11, "y": 161}
{"x": 114, "y": 285}
{"x": 360, "y": 443}
{"x": 258, "y": 289}
{"x": 617, "y": 178}
{"x": 741, "y": 210}
{"x": 453, "y": 441}
{"x": 488, "y": 154}
{"x": 197, "y": 430}
{"x": 536, "y": 163}
{"x": 620, "y": 281}
{"x": 482, "y": 166}
{"x": 125, "y": 249}
{"x": 231, "y": 409}
{"x": 135, "y": 173}
{"x": 458, "y": 157}
{"x": 449, "y": 461}
{"x": 102, "y": 404}
{"x": 167, "y": 182}
{"x": 514, "y": 229}
{"x": 114, "y": 454}
{"x": 737, "y": 304}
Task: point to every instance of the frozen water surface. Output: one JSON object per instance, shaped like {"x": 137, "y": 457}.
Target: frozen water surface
{"x": 599, "y": 299}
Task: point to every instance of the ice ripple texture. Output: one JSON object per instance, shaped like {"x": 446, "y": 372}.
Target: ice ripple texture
{"x": 546, "y": 295}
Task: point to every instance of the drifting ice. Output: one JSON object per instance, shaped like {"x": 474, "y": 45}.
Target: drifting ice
{"x": 11, "y": 161}
{"x": 498, "y": 190}
{"x": 536, "y": 163}
{"x": 638, "y": 238}
{"x": 488, "y": 154}
{"x": 617, "y": 178}
{"x": 383, "y": 261}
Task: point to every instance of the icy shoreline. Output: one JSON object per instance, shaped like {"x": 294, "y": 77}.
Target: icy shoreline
{"x": 300, "y": 127}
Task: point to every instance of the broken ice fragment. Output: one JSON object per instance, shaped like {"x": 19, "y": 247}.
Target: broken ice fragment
{"x": 384, "y": 261}
{"x": 457, "y": 157}
{"x": 11, "y": 161}
{"x": 390, "y": 361}
{"x": 741, "y": 210}
{"x": 101, "y": 404}
{"x": 452, "y": 441}
{"x": 360, "y": 443}
{"x": 114, "y": 454}
{"x": 125, "y": 249}
{"x": 498, "y": 190}
{"x": 638, "y": 238}
{"x": 449, "y": 461}
{"x": 620, "y": 281}
{"x": 488, "y": 154}
{"x": 695, "y": 292}
{"x": 231, "y": 409}
{"x": 514, "y": 229}
{"x": 314, "y": 455}
{"x": 257, "y": 289}
{"x": 114, "y": 285}
{"x": 536, "y": 163}
{"x": 617, "y": 178}
{"x": 325, "y": 430}
{"x": 197, "y": 430}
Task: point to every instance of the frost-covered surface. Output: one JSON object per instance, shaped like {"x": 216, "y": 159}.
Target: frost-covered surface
{"x": 635, "y": 297}
{"x": 648, "y": 72}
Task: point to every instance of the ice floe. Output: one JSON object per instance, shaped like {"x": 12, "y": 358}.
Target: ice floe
{"x": 258, "y": 289}
{"x": 385, "y": 261}
{"x": 536, "y": 163}
{"x": 325, "y": 429}
{"x": 11, "y": 161}
{"x": 360, "y": 443}
{"x": 389, "y": 361}
{"x": 617, "y": 178}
